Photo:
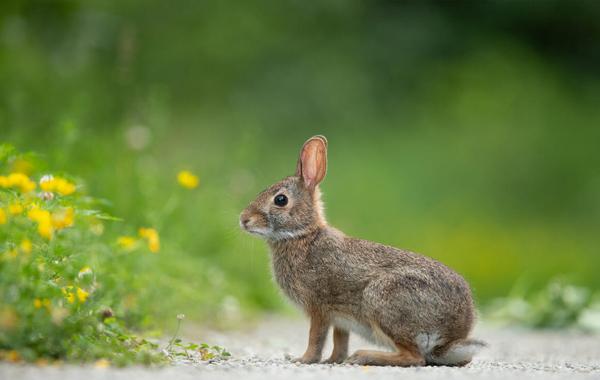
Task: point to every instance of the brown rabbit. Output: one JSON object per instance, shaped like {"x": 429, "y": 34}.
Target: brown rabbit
{"x": 419, "y": 308}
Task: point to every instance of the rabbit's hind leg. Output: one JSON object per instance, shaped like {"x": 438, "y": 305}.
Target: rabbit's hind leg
{"x": 404, "y": 357}
{"x": 407, "y": 353}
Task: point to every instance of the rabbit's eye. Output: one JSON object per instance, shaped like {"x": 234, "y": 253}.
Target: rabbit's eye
{"x": 280, "y": 200}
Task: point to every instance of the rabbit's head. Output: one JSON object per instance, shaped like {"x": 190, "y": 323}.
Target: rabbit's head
{"x": 292, "y": 207}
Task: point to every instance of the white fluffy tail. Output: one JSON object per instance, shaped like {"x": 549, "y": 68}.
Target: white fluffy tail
{"x": 456, "y": 353}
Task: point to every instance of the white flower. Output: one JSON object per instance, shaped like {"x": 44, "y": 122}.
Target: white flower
{"x": 180, "y": 317}
{"x": 46, "y": 177}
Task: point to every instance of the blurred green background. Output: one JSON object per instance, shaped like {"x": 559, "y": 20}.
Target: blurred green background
{"x": 465, "y": 131}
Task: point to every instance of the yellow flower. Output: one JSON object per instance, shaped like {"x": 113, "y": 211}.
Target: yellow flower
{"x": 49, "y": 183}
{"x": 13, "y": 356}
{"x": 3, "y": 216}
{"x": 125, "y": 241}
{"x": 33, "y": 213}
{"x": 187, "y": 179}
{"x": 28, "y": 187}
{"x": 82, "y": 294}
{"x": 45, "y": 230}
{"x": 19, "y": 180}
{"x": 63, "y": 218}
{"x": 102, "y": 364}
{"x": 13, "y": 253}
{"x": 154, "y": 243}
{"x": 64, "y": 187}
{"x": 70, "y": 296}
{"x": 44, "y": 220}
{"x": 85, "y": 270}
{"x": 26, "y": 246}
{"x": 46, "y": 182}
{"x": 151, "y": 235}
{"x": 39, "y": 303}
{"x": 15, "y": 209}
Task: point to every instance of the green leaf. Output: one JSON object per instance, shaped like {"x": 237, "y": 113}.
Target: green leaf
{"x": 192, "y": 346}
{"x": 105, "y": 216}
{"x": 225, "y": 353}
{"x": 144, "y": 341}
{"x": 177, "y": 340}
{"x": 203, "y": 345}
{"x": 87, "y": 212}
{"x": 6, "y": 150}
{"x": 98, "y": 214}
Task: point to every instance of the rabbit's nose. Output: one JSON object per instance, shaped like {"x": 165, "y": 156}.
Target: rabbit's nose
{"x": 245, "y": 219}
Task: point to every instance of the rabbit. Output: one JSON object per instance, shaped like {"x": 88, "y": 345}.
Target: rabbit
{"x": 416, "y": 307}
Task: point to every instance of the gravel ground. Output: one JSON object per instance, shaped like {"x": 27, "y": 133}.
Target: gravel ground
{"x": 261, "y": 353}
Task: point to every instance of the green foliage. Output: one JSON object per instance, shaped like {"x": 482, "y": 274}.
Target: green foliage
{"x": 466, "y": 133}
{"x": 59, "y": 274}
{"x": 198, "y": 351}
{"x": 559, "y": 305}
{"x": 193, "y": 351}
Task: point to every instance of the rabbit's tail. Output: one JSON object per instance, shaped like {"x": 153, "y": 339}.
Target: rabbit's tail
{"x": 456, "y": 353}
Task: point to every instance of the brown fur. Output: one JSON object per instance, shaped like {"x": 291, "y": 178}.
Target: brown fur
{"x": 396, "y": 298}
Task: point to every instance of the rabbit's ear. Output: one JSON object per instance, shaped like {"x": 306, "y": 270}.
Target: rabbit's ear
{"x": 312, "y": 163}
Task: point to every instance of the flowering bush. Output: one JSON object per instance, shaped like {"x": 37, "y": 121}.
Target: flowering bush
{"x": 57, "y": 285}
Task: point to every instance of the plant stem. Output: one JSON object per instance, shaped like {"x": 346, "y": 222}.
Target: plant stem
{"x": 168, "y": 209}
{"x": 174, "y": 336}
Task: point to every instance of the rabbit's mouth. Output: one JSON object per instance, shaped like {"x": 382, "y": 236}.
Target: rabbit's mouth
{"x": 258, "y": 232}
{"x": 267, "y": 233}
{"x": 262, "y": 233}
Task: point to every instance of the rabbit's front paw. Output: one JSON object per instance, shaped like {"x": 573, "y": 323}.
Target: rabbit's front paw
{"x": 334, "y": 360}
{"x": 306, "y": 360}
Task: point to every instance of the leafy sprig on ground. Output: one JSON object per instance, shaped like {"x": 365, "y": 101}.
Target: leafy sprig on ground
{"x": 193, "y": 351}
